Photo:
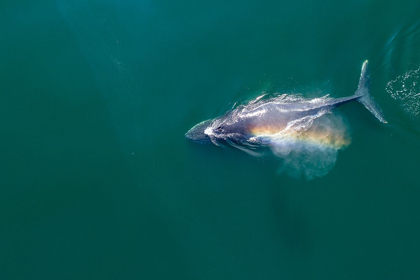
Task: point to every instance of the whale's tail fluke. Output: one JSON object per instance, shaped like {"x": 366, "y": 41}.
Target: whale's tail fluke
{"x": 365, "y": 98}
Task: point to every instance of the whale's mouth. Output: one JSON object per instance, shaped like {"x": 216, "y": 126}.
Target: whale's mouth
{"x": 197, "y": 134}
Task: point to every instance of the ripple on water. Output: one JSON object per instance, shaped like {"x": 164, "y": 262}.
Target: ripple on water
{"x": 406, "y": 90}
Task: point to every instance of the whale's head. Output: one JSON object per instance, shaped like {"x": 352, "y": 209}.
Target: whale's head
{"x": 197, "y": 132}
{"x": 216, "y": 131}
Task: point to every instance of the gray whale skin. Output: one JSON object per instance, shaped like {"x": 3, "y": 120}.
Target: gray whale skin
{"x": 238, "y": 126}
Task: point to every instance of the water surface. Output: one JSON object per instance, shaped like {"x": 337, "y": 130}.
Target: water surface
{"x": 98, "y": 181}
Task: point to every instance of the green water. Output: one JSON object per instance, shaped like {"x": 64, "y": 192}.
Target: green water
{"x": 98, "y": 182}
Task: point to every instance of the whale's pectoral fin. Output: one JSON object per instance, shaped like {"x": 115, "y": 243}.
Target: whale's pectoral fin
{"x": 365, "y": 98}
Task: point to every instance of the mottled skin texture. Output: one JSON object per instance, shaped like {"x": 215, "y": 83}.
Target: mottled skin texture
{"x": 267, "y": 117}
{"x": 249, "y": 123}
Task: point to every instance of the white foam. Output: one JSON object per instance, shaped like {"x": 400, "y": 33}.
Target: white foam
{"x": 406, "y": 90}
{"x": 307, "y": 146}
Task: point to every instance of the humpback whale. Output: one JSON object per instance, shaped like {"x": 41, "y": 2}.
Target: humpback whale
{"x": 283, "y": 121}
